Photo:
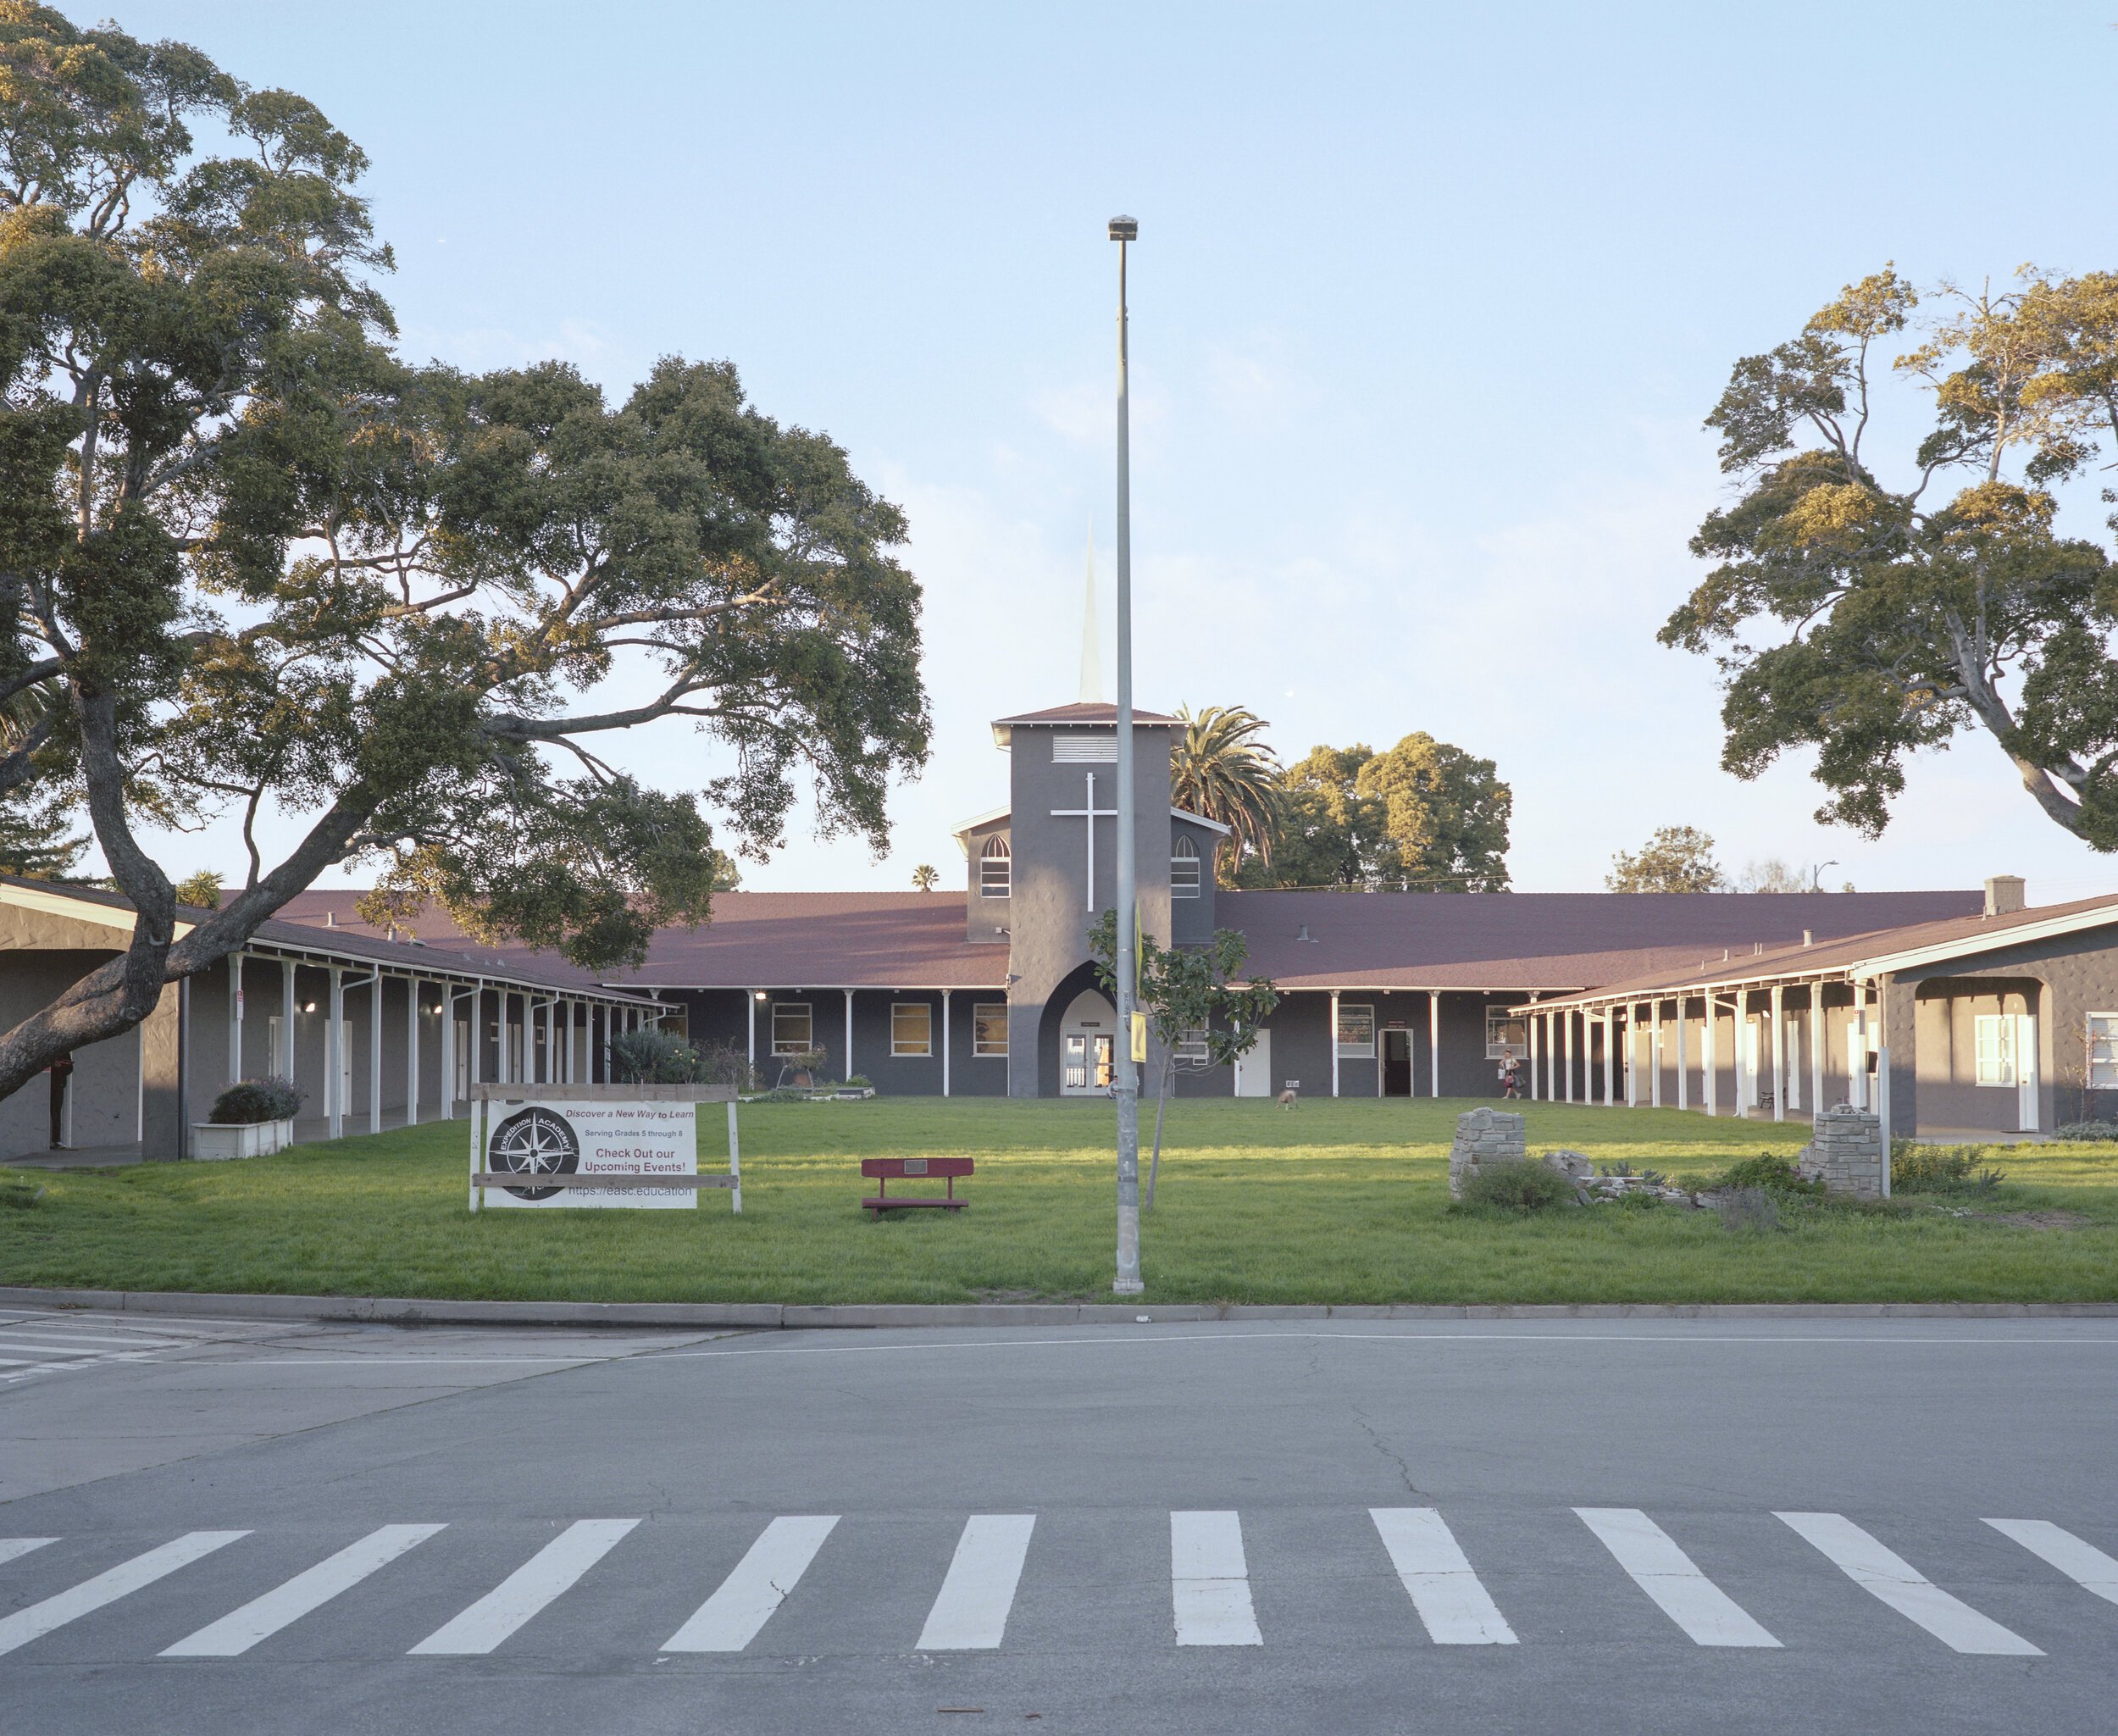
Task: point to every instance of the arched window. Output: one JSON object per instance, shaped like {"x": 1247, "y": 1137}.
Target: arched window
{"x": 992, "y": 867}
{"x": 1183, "y": 869}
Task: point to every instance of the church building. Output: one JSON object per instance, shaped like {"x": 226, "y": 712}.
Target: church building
{"x": 989, "y": 989}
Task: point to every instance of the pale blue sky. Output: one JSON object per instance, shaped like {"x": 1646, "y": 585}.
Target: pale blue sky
{"x": 1428, "y": 304}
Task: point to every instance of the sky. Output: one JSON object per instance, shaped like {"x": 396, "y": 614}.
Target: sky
{"x": 1428, "y": 304}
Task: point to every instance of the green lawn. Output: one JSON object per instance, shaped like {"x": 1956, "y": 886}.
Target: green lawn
{"x": 1332, "y": 1202}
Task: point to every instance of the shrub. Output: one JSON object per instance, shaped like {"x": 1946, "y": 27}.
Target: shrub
{"x": 2097, "y": 1132}
{"x": 1519, "y": 1187}
{"x": 1942, "y": 1169}
{"x": 269, "y": 1098}
{"x": 1748, "y": 1208}
{"x": 1774, "y": 1175}
{"x": 724, "y": 1064}
{"x": 651, "y": 1057}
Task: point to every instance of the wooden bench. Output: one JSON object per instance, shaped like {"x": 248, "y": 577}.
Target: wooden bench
{"x": 882, "y": 1171}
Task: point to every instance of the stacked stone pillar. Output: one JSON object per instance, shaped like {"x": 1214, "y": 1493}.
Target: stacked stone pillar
{"x": 1846, "y": 1152}
{"x": 1483, "y": 1136}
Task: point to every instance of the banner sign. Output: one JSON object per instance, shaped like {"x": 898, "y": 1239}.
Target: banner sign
{"x": 572, "y": 1139}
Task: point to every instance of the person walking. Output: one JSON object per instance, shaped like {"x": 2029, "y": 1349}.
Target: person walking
{"x": 1509, "y": 1085}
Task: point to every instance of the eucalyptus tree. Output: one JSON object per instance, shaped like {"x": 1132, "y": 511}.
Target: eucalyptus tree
{"x": 1423, "y": 816}
{"x": 1869, "y": 618}
{"x": 272, "y": 572}
{"x": 1675, "y": 859}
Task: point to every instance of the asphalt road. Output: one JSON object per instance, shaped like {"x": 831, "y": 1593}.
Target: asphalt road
{"x": 1584, "y": 1527}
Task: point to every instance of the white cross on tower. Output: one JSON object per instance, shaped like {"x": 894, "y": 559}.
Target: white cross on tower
{"x": 1091, "y": 814}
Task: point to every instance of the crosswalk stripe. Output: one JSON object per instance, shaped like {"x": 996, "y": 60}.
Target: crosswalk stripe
{"x": 10, "y": 1547}
{"x": 1454, "y": 1606}
{"x": 22, "y": 1627}
{"x": 235, "y": 1632}
{"x": 1210, "y": 1582}
{"x": 523, "y": 1593}
{"x": 2085, "y": 1565}
{"x": 729, "y": 1620}
{"x": 1889, "y": 1577}
{"x": 1665, "y": 1573}
{"x": 970, "y": 1612}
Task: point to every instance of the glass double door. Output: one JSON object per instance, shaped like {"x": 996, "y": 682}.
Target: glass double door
{"x": 1087, "y": 1060}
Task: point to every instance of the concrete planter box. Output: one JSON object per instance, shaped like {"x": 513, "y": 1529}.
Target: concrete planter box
{"x": 212, "y": 1142}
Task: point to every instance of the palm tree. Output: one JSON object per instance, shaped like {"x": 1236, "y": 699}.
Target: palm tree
{"x": 925, "y": 877}
{"x": 1220, "y": 768}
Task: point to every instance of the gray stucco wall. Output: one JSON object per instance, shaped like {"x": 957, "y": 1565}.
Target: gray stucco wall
{"x": 1051, "y": 909}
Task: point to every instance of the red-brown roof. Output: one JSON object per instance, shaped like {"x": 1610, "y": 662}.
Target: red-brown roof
{"x": 1974, "y": 933}
{"x": 1502, "y": 941}
{"x": 1096, "y": 713}
{"x": 1543, "y": 941}
{"x": 768, "y": 940}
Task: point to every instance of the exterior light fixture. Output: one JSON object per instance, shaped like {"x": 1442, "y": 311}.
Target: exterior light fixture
{"x": 311, "y": 1007}
{"x": 761, "y": 994}
{"x": 1125, "y": 229}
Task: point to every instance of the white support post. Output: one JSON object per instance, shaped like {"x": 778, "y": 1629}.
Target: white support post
{"x": 1610, "y": 1061}
{"x": 734, "y": 1161}
{"x": 1710, "y": 1063}
{"x": 1535, "y": 1024}
{"x": 335, "y": 1058}
{"x": 478, "y": 1019}
{"x": 1779, "y": 1057}
{"x": 478, "y": 1198}
{"x": 286, "y": 1018}
{"x": 1631, "y": 1056}
{"x": 412, "y": 1052}
{"x": 1815, "y": 1050}
{"x": 1683, "y": 1055}
{"x": 1655, "y": 1055}
{"x": 374, "y": 1051}
{"x": 1434, "y": 1043}
{"x": 750, "y": 1000}
{"x": 1123, "y": 1037}
{"x": 1551, "y": 1058}
{"x": 848, "y": 1074}
{"x": 234, "y": 1016}
{"x": 1568, "y": 1017}
{"x": 945, "y": 1045}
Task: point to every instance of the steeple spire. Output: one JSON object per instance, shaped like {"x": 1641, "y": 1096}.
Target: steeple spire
{"x": 1091, "y": 641}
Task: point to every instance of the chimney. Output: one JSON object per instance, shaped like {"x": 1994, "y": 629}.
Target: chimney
{"x": 1809, "y": 937}
{"x": 2003, "y": 895}
{"x": 1304, "y": 934}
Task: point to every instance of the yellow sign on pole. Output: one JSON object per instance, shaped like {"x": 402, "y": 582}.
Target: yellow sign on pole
{"x": 1139, "y": 1036}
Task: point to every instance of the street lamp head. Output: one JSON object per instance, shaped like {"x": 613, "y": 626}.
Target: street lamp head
{"x": 1125, "y": 229}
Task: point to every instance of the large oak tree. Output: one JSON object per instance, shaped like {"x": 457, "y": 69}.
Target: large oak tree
{"x": 258, "y": 565}
{"x": 1869, "y": 614}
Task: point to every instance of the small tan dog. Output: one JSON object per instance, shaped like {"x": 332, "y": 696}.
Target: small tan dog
{"x": 1287, "y": 1098}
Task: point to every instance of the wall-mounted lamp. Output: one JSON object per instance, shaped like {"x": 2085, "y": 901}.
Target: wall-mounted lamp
{"x": 310, "y": 1007}
{"x": 761, "y": 994}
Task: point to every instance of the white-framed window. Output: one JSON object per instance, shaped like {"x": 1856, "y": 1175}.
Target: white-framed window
{"x": 1505, "y": 1034}
{"x": 2103, "y": 1051}
{"x": 988, "y": 1030}
{"x": 1356, "y": 1033}
{"x": 1183, "y": 869}
{"x": 911, "y": 1027}
{"x": 1994, "y": 1041}
{"x": 1192, "y": 1050}
{"x": 993, "y": 868}
{"x": 791, "y": 1028}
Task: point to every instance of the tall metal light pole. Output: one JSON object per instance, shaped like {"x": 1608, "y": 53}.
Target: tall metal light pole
{"x": 1124, "y": 230}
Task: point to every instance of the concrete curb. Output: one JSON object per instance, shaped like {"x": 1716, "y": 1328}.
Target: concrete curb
{"x": 399, "y": 1310}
